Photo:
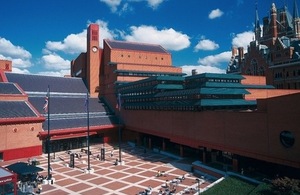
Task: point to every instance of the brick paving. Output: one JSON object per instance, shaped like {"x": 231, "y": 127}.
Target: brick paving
{"x": 135, "y": 175}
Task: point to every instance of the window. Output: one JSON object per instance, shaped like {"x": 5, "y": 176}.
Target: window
{"x": 94, "y": 35}
{"x": 1, "y": 156}
{"x": 287, "y": 139}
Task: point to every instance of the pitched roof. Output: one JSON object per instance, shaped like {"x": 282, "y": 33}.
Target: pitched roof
{"x": 9, "y": 88}
{"x": 135, "y": 46}
{"x": 39, "y": 83}
{"x": 15, "y": 109}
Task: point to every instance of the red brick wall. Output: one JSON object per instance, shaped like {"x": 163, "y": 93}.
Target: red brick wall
{"x": 20, "y": 140}
{"x": 251, "y": 134}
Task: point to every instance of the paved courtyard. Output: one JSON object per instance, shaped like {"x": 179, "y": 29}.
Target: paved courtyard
{"x": 136, "y": 174}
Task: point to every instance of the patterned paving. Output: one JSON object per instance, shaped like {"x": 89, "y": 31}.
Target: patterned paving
{"x": 136, "y": 174}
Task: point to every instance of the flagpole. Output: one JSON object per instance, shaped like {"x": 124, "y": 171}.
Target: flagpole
{"x": 88, "y": 129}
{"x": 48, "y": 138}
{"x": 119, "y": 105}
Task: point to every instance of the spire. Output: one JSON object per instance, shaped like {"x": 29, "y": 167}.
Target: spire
{"x": 256, "y": 17}
{"x": 257, "y": 29}
{"x": 295, "y": 13}
{"x": 296, "y": 21}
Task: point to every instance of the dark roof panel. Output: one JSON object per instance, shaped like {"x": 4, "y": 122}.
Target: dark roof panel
{"x": 60, "y": 105}
{"x": 9, "y": 88}
{"x": 15, "y": 109}
{"x": 135, "y": 46}
{"x": 80, "y": 122}
{"x": 39, "y": 83}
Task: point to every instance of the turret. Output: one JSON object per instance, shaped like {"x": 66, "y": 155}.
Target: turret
{"x": 273, "y": 22}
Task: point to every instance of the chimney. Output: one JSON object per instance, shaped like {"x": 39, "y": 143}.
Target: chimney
{"x": 241, "y": 55}
{"x": 194, "y": 72}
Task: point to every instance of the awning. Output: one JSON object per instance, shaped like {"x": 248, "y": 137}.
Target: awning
{"x": 22, "y": 168}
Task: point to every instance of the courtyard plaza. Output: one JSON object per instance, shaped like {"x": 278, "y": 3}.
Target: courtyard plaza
{"x": 135, "y": 175}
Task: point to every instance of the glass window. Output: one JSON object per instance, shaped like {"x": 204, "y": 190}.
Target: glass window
{"x": 287, "y": 139}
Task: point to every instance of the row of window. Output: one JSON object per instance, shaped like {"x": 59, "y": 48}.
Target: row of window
{"x": 188, "y": 108}
{"x": 122, "y": 55}
{"x": 288, "y": 85}
{"x": 143, "y": 74}
{"x": 184, "y": 97}
{"x": 287, "y": 74}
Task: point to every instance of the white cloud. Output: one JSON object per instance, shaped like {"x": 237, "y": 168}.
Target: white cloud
{"x": 168, "y": 38}
{"x": 215, "y": 14}
{"x": 243, "y": 39}
{"x": 21, "y": 71}
{"x": 113, "y": 4}
{"x": 215, "y": 60}
{"x": 154, "y": 3}
{"x": 10, "y": 50}
{"x": 206, "y": 44}
{"x": 18, "y": 55}
{"x": 55, "y": 62}
{"x": 209, "y": 64}
{"x": 126, "y": 4}
{"x": 60, "y": 73}
{"x": 73, "y": 43}
{"x": 187, "y": 69}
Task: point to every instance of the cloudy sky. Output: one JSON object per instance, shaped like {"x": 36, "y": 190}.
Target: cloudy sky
{"x": 43, "y": 36}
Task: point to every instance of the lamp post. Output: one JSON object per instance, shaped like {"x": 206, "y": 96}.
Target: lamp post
{"x": 198, "y": 181}
{"x": 88, "y": 129}
{"x": 119, "y": 106}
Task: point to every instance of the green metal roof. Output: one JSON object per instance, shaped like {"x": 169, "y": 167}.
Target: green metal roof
{"x": 216, "y": 75}
{"x": 223, "y": 85}
{"x": 169, "y": 86}
{"x": 226, "y": 102}
{"x": 223, "y": 91}
{"x": 149, "y": 72}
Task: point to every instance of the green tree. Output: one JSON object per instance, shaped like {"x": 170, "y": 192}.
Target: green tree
{"x": 286, "y": 186}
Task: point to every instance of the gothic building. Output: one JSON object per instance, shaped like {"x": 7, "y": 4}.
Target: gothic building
{"x": 275, "y": 50}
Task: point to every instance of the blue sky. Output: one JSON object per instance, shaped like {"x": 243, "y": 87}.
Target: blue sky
{"x": 43, "y": 36}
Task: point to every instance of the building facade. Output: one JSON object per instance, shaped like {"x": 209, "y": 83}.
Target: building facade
{"x": 274, "y": 52}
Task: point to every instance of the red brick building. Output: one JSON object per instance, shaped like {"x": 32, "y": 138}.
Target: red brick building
{"x": 238, "y": 121}
{"x": 275, "y": 52}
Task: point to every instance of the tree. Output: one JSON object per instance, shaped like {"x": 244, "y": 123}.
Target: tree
{"x": 286, "y": 186}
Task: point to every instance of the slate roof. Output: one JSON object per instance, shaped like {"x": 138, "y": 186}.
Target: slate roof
{"x": 39, "y": 83}
{"x": 135, "y": 46}
{"x": 16, "y": 109}
{"x": 9, "y": 88}
{"x": 66, "y": 102}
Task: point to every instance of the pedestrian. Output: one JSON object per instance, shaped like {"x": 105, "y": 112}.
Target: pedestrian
{"x": 111, "y": 153}
{"x": 39, "y": 188}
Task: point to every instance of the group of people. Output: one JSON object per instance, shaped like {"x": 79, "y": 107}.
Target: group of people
{"x": 147, "y": 191}
{"x": 169, "y": 187}
{"x": 28, "y": 183}
{"x": 161, "y": 173}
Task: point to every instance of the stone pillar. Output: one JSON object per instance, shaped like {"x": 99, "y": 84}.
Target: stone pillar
{"x": 149, "y": 143}
{"x": 181, "y": 150}
{"x": 204, "y": 155}
{"x": 235, "y": 163}
{"x": 138, "y": 139}
{"x": 163, "y": 145}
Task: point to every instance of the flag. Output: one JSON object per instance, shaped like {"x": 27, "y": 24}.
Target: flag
{"x": 45, "y": 107}
{"x": 119, "y": 104}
